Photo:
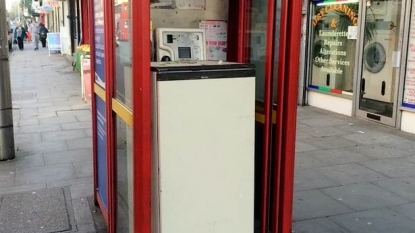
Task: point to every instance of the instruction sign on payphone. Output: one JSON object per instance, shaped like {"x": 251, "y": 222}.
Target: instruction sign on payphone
{"x": 180, "y": 44}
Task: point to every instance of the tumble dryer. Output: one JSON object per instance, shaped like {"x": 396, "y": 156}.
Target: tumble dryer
{"x": 380, "y": 53}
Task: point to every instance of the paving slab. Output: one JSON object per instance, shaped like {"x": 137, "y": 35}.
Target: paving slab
{"x": 407, "y": 210}
{"x": 396, "y": 167}
{"x": 23, "y": 161}
{"x": 379, "y": 151}
{"x": 69, "y": 182}
{"x": 45, "y": 174}
{"x": 7, "y": 178}
{"x": 82, "y": 143}
{"x": 23, "y": 188}
{"x": 364, "y": 196}
{"x": 304, "y": 161}
{"x": 326, "y": 131}
{"x": 82, "y": 190}
{"x": 404, "y": 186}
{"x": 333, "y": 142}
{"x": 63, "y": 135}
{"x": 324, "y": 121}
{"x": 324, "y": 225}
{"x": 74, "y": 113}
{"x": 40, "y": 147}
{"x": 375, "y": 221}
{"x": 40, "y": 128}
{"x": 27, "y": 122}
{"x": 350, "y": 173}
{"x": 303, "y": 147}
{"x": 307, "y": 179}
{"x": 373, "y": 138}
{"x": 58, "y": 120}
{"x": 77, "y": 125}
{"x": 68, "y": 156}
{"x": 316, "y": 204}
{"x": 84, "y": 168}
{"x": 337, "y": 156}
{"x": 27, "y": 137}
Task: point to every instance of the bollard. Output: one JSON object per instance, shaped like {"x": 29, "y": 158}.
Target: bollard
{"x": 7, "y": 151}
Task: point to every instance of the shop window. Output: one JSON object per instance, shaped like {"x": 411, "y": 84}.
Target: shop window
{"x": 124, "y": 160}
{"x": 333, "y": 46}
{"x": 123, "y": 71}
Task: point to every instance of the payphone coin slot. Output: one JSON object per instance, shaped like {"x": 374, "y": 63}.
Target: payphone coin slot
{"x": 170, "y": 39}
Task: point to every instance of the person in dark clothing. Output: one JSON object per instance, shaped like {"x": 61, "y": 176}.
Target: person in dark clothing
{"x": 43, "y": 33}
{"x": 20, "y": 34}
{"x": 10, "y": 39}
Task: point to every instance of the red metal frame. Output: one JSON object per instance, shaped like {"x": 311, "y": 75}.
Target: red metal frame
{"x": 286, "y": 115}
{"x": 268, "y": 114}
{"x": 101, "y": 206}
{"x": 86, "y": 19}
{"x": 109, "y": 93}
{"x": 140, "y": 19}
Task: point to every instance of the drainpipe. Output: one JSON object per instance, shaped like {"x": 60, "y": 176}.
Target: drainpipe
{"x": 7, "y": 151}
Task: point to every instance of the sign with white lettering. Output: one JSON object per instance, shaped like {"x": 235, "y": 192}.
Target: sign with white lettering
{"x": 54, "y": 42}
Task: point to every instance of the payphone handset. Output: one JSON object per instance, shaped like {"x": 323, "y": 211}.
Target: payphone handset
{"x": 180, "y": 44}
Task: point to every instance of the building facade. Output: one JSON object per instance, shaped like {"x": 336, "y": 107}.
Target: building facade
{"x": 359, "y": 59}
{"x": 66, "y": 17}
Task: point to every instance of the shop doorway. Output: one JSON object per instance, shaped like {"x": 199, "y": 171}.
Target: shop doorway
{"x": 379, "y": 67}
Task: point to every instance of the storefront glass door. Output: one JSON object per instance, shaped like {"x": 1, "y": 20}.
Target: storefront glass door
{"x": 380, "y": 52}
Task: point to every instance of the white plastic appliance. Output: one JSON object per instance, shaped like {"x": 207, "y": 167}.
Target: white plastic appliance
{"x": 203, "y": 147}
{"x": 180, "y": 44}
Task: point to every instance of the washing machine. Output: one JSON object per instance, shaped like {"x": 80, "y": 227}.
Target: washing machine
{"x": 379, "y": 53}
{"x": 325, "y": 73}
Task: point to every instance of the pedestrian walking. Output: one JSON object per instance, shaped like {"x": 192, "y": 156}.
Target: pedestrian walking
{"x": 34, "y": 30}
{"x": 20, "y": 34}
{"x": 10, "y": 39}
{"x": 43, "y": 33}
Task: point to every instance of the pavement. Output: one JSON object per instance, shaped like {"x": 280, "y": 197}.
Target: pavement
{"x": 351, "y": 175}
{"x": 48, "y": 187}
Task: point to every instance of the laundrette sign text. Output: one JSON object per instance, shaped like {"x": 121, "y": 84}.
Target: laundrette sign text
{"x": 336, "y": 7}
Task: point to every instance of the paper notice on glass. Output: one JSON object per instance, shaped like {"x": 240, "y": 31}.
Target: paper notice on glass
{"x": 352, "y": 33}
{"x": 216, "y": 39}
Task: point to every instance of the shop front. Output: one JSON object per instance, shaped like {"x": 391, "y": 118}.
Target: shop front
{"x": 168, "y": 77}
{"x": 357, "y": 64}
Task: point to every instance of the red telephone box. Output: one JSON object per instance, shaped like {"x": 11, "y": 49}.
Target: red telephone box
{"x": 265, "y": 33}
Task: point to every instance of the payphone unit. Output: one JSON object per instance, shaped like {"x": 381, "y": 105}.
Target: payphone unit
{"x": 180, "y": 44}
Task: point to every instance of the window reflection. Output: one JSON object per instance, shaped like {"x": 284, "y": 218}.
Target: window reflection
{"x": 258, "y": 40}
{"x": 124, "y": 177}
{"x": 123, "y": 72}
{"x": 257, "y": 46}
